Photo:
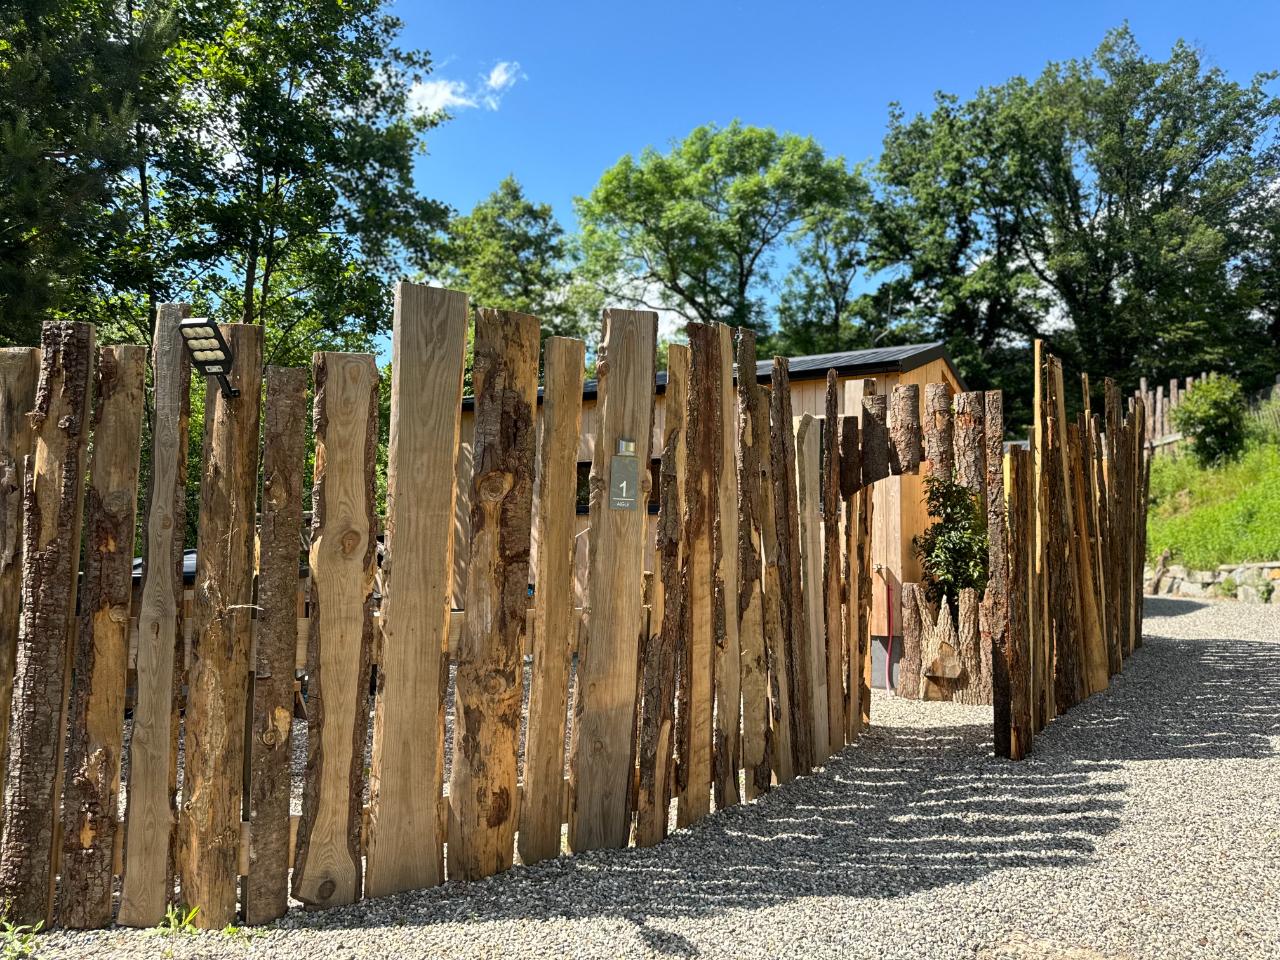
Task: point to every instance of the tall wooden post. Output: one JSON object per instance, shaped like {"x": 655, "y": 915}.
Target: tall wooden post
{"x": 850, "y": 482}
{"x": 814, "y": 647}
{"x": 727, "y": 748}
{"x": 831, "y": 579}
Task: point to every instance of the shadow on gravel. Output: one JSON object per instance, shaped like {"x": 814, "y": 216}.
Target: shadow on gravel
{"x": 1170, "y": 606}
{"x": 905, "y": 810}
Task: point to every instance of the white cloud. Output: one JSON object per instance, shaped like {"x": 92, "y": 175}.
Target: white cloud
{"x": 431, "y": 96}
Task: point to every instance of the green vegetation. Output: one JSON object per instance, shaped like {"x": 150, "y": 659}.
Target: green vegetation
{"x": 1213, "y": 416}
{"x": 18, "y": 941}
{"x": 1211, "y": 515}
{"x": 953, "y": 551}
{"x": 178, "y": 921}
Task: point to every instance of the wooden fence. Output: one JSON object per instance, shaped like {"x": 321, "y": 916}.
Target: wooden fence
{"x": 740, "y": 662}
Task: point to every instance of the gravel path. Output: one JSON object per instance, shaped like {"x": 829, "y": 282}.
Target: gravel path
{"x": 1146, "y": 824}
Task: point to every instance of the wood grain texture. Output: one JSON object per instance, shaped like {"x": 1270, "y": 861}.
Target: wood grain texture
{"x": 266, "y": 887}
{"x": 327, "y": 862}
{"x": 19, "y": 371}
{"x": 995, "y": 600}
{"x": 668, "y": 624}
{"x": 913, "y": 630}
{"x": 875, "y": 438}
{"x": 218, "y": 675}
{"x": 814, "y": 647}
{"x": 605, "y": 695}
{"x": 51, "y": 525}
{"x": 705, "y": 450}
{"x": 832, "y": 582}
{"x": 905, "y": 448}
{"x": 727, "y": 747}
{"x": 147, "y": 884}
{"x": 1021, "y": 514}
{"x": 850, "y": 481}
{"x": 757, "y": 738}
{"x": 938, "y": 431}
{"x": 1096, "y": 674}
{"x": 101, "y": 645}
{"x": 970, "y": 453}
{"x": 406, "y": 777}
{"x": 542, "y": 808}
{"x": 866, "y": 389}
{"x": 489, "y": 683}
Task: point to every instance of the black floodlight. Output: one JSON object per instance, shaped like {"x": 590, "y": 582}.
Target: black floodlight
{"x": 209, "y": 351}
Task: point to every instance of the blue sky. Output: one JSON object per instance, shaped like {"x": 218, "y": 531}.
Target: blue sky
{"x": 556, "y": 92}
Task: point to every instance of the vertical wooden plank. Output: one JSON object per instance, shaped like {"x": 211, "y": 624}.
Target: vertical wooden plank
{"x": 101, "y": 645}
{"x": 912, "y": 642}
{"x": 757, "y": 741}
{"x": 875, "y": 438}
{"x": 727, "y": 753}
{"x": 668, "y": 623}
{"x": 1101, "y": 524}
{"x": 970, "y": 452}
{"x": 809, "y": 472}
{"x": 327, "y": 862}
{"x": 266, "y": 887}
{"x": 218, "y": 677}
{"x": 871, "y": 419}
{"x": 543, "y": 804}
{"x": 51, "y": 511}
{"x": 604, "y": 708}
{"x": 782, "y": 453}
{"x": 995, "y": 601}
{"x": 905, "y": 448}
{"x": 938, "y": 431}
{"x": 490, "y": 682}
{"x": 1044, "y": 706}
{"x": 850, "y": 482}
{"x": 1097, "y": 674}
{"x": 147, "y": 884}
{"x": 406, "y": 777}
{"x": 704, "y": 452}
{"x": 1016, "y": 713}
{"x": 831, "y": 579}
{"x": 19, "y": 371}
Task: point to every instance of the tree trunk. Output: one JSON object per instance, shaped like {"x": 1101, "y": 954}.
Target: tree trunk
{"x": 938, "y": 432}
{"x": 904, "y": 430}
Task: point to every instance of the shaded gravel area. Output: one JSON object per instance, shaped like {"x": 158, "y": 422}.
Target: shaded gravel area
{"x": 1146, "y": 824}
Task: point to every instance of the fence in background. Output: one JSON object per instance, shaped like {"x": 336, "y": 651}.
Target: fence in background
{"x": 741, "y": 661}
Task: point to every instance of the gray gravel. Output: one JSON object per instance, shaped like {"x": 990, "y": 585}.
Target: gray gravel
{"x": 1146, "y": 824}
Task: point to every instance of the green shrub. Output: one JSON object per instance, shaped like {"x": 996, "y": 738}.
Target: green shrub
{"x": 953, "y": 551}
{"x": 1213, "y": 415}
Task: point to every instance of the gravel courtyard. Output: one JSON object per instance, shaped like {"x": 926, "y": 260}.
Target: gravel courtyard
{"x": 1146, "y": 824}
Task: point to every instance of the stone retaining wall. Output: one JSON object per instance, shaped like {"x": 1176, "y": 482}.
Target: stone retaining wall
{"x": 1246, "y": 582}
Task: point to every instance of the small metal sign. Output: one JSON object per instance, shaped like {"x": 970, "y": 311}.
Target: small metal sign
{"x": 624, "y": 477}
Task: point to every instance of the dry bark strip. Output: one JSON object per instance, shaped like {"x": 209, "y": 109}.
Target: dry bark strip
{"x": 406, "y": 776}
{"x": 147, "y": 885}
{"x": 101, "y": 646}
{"x": 938, "y": 431}
{"x": 542, "y": 806}
{"x": 266, "y": 888}
{"x": 1100, "y": 508}
{"x": 905, "y": 449}
{"x": 603, "y": 760}
{"x": 850, "y": 481}
{"x": 218, "y": 675}
{"x": 782, "y": 451}
{"x": 995, "y": 601}
{"x": 808, "y": 477}
{"x": 669, "y": 624}
{"x": 970, "y": 452}
{"x": 913, "y": 633}
{"x": 19, "y": 371}
{"x": 757, "y": 740}
{"x": 1016, "y": 741}
{"x": 832, "y": 583}
{"x": 875, "y": 438}
{"x": 52, "y": 504}
{"x": 1062, "y": 623}
{"x": 327, "y": 862}
{"x": 1097, "y": 675}
{"x": 727, "y": 747}
{"x": 704, "y": 450}
{"x": 968, "y": 630}
{"x": 489, "y": 684}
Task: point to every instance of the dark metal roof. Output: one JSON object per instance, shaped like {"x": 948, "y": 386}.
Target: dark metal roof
{"x": 847, "y": 363}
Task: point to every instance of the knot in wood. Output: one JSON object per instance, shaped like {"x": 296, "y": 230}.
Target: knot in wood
{"x": 349, "y": 542}
{"x": 494, "y": 485}
{"x": 496, "y": 682}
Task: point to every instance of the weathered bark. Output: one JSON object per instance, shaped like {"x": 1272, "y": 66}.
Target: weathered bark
{"x": 218, "y": 677}
{"x": 850, "y": 481}
{"x": 875, "y": 438}
{"x": 905, "y": 448}
{"x": 995, "y": 604}
{"x": 832, "y": 583}
{"x": 941, "y": 665}
{"x": 969, "y": 443}
{"x": 52, "y": 504}
{"x": 727, "y": 746}
{"x": 808, "y": 479}
{"x": 771, "y": 606}
{"x": 1062, "y": 624}
{"x": 913, "y": 632}
{"x": 266, "y": 889}
{"x": 968, "y": 689}
{"x": 866, "y": 502}
{"x": 782, "y": 451}
{"x": 938, "y": 435}
{"x": 489, "y": 684}
{"x": 101, "y": 647}
{"x": 1013, "y": 701}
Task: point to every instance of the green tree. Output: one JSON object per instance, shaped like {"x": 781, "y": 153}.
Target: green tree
{"x": 696, "y": 230}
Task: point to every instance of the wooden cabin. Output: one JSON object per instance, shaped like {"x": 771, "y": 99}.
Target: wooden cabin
{"x": 899, "y": 513}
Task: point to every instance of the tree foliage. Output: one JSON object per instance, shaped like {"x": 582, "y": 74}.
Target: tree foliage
{"x": 1212, "y": 415}
{"x": 953, "y": 551}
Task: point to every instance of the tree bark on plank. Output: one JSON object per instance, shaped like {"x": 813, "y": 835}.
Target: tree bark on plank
{"x": 850, "y": 482}
{"x": 905, "y": 448}
{"x": 995, "y": 602}
{"x": 218, "y": 677}
{"x": 832, "y": 582}
{"x": 808, "y": 476}
{"x": 913, "y": 632}
{"x": 52, "y": 504}
{"x": 151, "y": 815}
{"x": 266, "y": 888}
{"x": 1020, "y": 722}
{"x": 970, "y": 454}
{"x": 19, "y": 371}
{"x": 874, "y": 450}
{"x": 327, "y": 860}
{"x": 101, "y": 646}
{"x": 727, "y": 747}
{"x": 939, "y": 460}
{"x": 875, "y": 438}
{"x": 489, "y": 684}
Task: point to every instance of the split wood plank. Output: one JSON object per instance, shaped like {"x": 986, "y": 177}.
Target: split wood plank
{"x": 19, "y": 371}
{"x": 705, "y": 450}
{"x": 556, "y": 628}
{"x": 1073, "y": 614}
{"x": 406, "y": 777}
{"x": 101, "y": 645}
{"x": 668, "y": 626}
{"x": 327, "y": 863}
{"x": 850, "y": 481}
{"x": 864, "y": 390}
{"x": 994, "y": 612}
{"x": 218, "y": 675}
{"x": 266, "y": 891}
{"x": 809, "y": 473}
{"x": 489, "y": 685}
{"x": 727, "y": 748}
{"x": 1044, "y": 703}
{"x": 905, "y": 449}
{"x": 151, "y": 815}
{"x": 757, "y": 741}
{"x": 1096, "y": 673}
{"x": 875, "y": 438}
{"x": 774, "y": 612}
{"x": 913, "y": 632}
{"x": 938, "y": 431}
{"x": 832, "y": 583}
{"x": 605, "y": 694}
{"x": 1018, "y": 661}
{"x": 51, "y": 509}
